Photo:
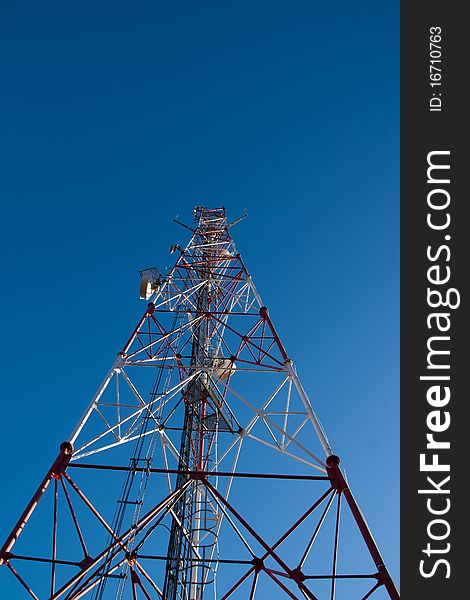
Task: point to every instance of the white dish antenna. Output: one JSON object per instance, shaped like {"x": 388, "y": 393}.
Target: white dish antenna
{"x": 149, "y": 283}
{"x": 223, "y": 368}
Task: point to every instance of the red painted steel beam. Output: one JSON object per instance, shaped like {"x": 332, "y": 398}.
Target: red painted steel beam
{"x": 22, "y": 581}
{"x": 263, "y": 311}
{"x": 291, "y": 529}
{"x": 339, "y": 483}
{"x": 280, "y": 584}
{"x": 292, "y": 575}
{"x": 57, "y": 468}
{"x": 118, "y": 545}
{"x": 149, "y": 311}
{"x": 198, "y": 474}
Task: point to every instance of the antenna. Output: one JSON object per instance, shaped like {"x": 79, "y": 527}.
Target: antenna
{"x": 175, "y": 220}
{"x": 150, "y": 281}
{"x": 242, "y": 218}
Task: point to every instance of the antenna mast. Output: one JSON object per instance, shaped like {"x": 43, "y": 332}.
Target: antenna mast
{"x": 193, "y": 532}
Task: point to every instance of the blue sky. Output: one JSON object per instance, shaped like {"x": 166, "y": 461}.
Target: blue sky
{"x": 115, "y": 118}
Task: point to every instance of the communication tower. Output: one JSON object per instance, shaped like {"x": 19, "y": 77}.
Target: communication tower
{"x": 199, "y": 470}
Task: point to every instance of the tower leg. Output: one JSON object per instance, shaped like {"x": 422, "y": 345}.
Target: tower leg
{"x": 339, "y": 483}
{"x": 58, "y": 467}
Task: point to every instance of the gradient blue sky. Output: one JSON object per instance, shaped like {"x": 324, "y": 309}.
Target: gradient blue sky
{"x": 116, "y": 117}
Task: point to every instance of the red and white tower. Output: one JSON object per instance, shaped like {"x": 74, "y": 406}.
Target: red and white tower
{"x": 199, "y": 470}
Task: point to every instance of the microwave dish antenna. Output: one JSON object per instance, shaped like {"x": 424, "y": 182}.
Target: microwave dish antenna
{"x": 150, "y": 280}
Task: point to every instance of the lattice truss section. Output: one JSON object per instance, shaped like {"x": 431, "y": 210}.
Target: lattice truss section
{"x": 199, "y": 469}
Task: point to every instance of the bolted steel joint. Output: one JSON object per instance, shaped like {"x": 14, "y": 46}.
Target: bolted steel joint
{"x": 62, "y": 461}
{"x": 257, "y": 563}
{"x": 66, "y": 448}
{"x": 299, "y": 576}
{"x": 334, "y": 473}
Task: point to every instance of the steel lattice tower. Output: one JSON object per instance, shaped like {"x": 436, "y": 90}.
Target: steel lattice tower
{"x": 199, "y": 470}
